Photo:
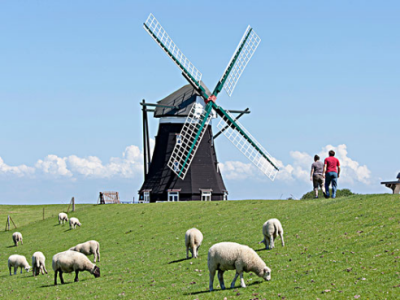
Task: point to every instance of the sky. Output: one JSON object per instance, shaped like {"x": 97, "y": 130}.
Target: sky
{"x": 72, "y": 73}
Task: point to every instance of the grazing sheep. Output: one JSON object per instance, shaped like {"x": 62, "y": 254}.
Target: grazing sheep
{"x": 62, "y": 217}
{"x": 17, "y": 237}
{"x": 271, "y": 229}
{"x": 233, "y": 256}
{"x": 17, "y": 261}
{"x": 38, "y": 263}
{"x": 193, "y": 239}
{"x": 72, "y": 261}
{"x": 73, "y": 222}
{"x": 90, "y": 247}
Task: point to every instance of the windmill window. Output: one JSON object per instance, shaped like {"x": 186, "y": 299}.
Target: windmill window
{"x": 225, "y": 195}
{"x": 176, "y": 166}
{"x": 206, "y": 195}
{"x": 178, "y": 140}
{"x": 173, "y": 196}
{"x": 146, "y": 196}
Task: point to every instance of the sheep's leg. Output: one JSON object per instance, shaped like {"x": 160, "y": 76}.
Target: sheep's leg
{"x": 221, "y": 279}
{"x": 98, "y": 253}
{"x": 242, "y": 284}
{"x": 234, "y": 280}
{"x": 55, "y": 277}
{"x": 266, "y": 243}
{"x": 22, "y": 242}
{"x": 34, "y": 270}
{"x": 271, "y": 241}
{"x": 61, "y": 277}
{"x": 44, "y": 269}
{"x": 187, "y": 252}
{"x": 212, "y": 274}
{"x": 76, "y": 276}
{"x": 281, "y": 235}
{"x": 21, "y": 270}
{"x": 10, "y": 271}
{"x": 194, "y": 251}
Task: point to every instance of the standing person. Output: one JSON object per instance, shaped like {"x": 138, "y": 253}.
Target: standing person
{"x": 331, "y": 173}
{"x": 317, "y": 169}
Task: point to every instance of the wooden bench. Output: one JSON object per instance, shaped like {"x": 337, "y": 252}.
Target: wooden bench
{"x": 393, "y": 185}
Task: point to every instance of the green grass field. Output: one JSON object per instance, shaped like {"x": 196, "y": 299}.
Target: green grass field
{"x": 344, "y": 248}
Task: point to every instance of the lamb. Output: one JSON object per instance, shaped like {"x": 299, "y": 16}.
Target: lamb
{"x": 17, "y": 237}
{"x": 271, "y": 229}
{"x": 90, "y": 247}
{"x": 38, "y": 263}
{"x": 72, "y": 261}
{"x": 73, "y": 222}
{"x": 62, "y": 217}
{"x": 17, "y": 261}
{"x": 193, "y": 239}
{"x": 232, "y": 256}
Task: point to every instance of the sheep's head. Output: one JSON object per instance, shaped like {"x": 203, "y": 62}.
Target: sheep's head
{"x": 96, "y": 271}
{"x": 79, "y": 224}
{"x": 267, "y": 274}
{"x": 27, "y": 268}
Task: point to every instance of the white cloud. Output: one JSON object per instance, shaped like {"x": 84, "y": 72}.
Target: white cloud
{"x": 237, "y": 170}
{"x": 53, "y": 165}
{"x": 21, "y": 170}
{"x": 300, "y": 166}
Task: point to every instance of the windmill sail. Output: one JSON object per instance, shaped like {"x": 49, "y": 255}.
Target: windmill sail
{"x": 190, "y": 137}
{"x": 242, "y": 55}
{"x": 247, "y": 144}
{"x": 158, "y": 33}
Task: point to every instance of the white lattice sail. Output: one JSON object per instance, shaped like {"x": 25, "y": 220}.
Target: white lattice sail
{"x": 240, "y": 142}
{"x": 157, "y": 32}
{"x": 250, "y": 46}
{"x": 185, "y": 150}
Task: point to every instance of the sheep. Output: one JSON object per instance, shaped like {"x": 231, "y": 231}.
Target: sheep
{"x": 73, "y": 222}
{"x": 17, "y": 237}
{"x": 271, "y": 229}
{"x": 70, "y": 261}
{"x": 62, "y": 217}
{"x": 193, "y": 239}
{"x": 17, "y": 261}
{"x": 38, "y": 263}
{"x": 90, "y": 247}
{"x": 232, "y": 256}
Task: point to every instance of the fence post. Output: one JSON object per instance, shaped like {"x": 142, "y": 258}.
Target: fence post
{"x": 73, "y": 203}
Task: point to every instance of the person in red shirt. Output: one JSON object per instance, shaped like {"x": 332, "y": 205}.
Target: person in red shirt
{"x": 331, "y": 173}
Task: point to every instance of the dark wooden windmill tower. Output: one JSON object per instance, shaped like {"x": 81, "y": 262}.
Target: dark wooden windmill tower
{"x": 184, "y": 164}
{"x": 203, "y": 181}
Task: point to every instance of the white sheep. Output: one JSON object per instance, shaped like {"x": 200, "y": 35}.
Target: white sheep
{"x": 271, "y": 229}
{"x": 73, "y": 222}
{"x": 17, "y": 261}
{"x": 38, "y": 263}
{"x": 72, "y": 261}
{"x": 232, "y": 256}
{"x": 193, "y": 239}
{"x": 17, "y": 237}
{"x": 62, "y": 217}
{"x": 88, "y": 248}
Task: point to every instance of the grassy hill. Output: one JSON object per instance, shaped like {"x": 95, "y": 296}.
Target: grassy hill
{"x": 335, "y": 249}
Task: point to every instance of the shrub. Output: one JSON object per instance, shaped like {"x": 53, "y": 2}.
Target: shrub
{"x": 339, "y": 193}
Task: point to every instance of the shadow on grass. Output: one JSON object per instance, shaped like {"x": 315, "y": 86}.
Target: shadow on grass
{"x": 219, "y": 290}
{"x": 178, "y": 260}
{"x": 262, "y": 249}
{"x": 11, "y": 246}
{"x": 58, "y": 283}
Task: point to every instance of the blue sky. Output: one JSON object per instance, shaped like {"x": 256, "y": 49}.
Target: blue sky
{"x": 72, "y": 74}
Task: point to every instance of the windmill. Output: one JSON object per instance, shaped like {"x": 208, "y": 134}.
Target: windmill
{"x": 201, "y": 112}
